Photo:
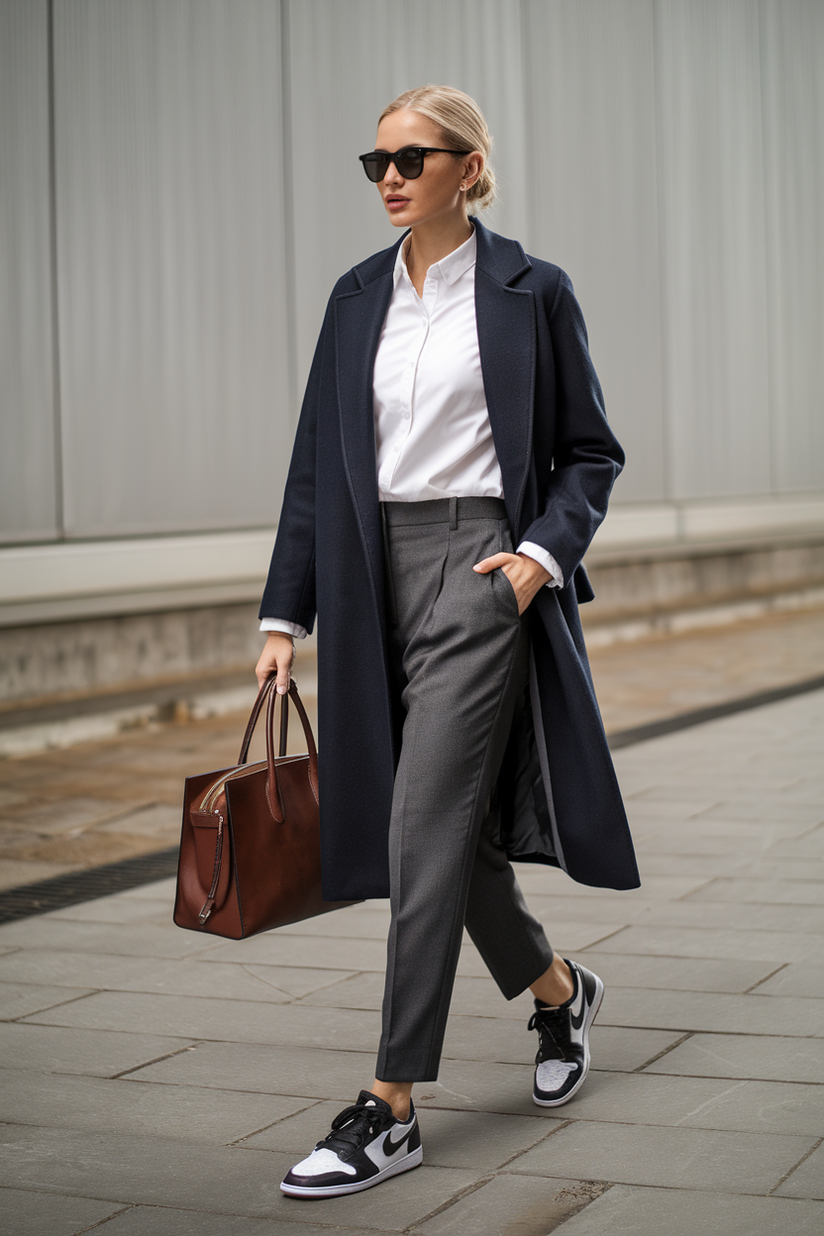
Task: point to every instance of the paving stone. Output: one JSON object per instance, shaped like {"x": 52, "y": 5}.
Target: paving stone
{"x": 804, "y": 869}
{"x": 706, "y": 846}
{"x": 160, "y": 1171}
{"x": 160, "y": 820}
{"x": 508, "y": 1042}
{"x": 757, "y": 1057}
{"x": 471, "y": 997}
{"x": 14, "y": 872}
{"x": 624, "y": 1050}
{"x": 274, "y": 949}
{"x": 659, "y": 1155}
{"x": 794, "y": 980}
{"x": 20, "y": 999}
{"x": 465, "y": 1139}
{"x": 295, "y": 980}
{"x": 163, "y": 889}
{"x": 556, "y": 884}
{"x": 773, "y": 810}
{"x": 811, "y": 845}
{"x": 675, "y": 973}
{"x": 302, "y": 1071}
{"x": 316, "y": 1073}
{"x": 355, "y": 923}
{"x": 610, "y": 908}
{"x": 701, "y": 866}
{"x": 679, "y": 1010}
{"x": 28, "y": 1213}
{"x": 474, "y": 1086}
{"x": 189, "y": 1112}
{"x": 48, "y": 819}
{"x": 758, "y": 892}
{"x": 700, "y": 1103}
{"x": 808, "y": 1178}
{"x": 234, "y": 1021}
{"x": 229, "y": 981}
{"x": 517, "y": 1206}
{"x": 681, "y": 804}
{"x": 706, "y": 942}
{"x": 627, "y": 1211}
{"x": 163, "y": 1221}
{"x": 110, "y": 910}
{"x": 718, "y": 915}
{"x": 644, "y": 805}
{"x": 98, "y": 1053}
{"x": 128, "y": 939}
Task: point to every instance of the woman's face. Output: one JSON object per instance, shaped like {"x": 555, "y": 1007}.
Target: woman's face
{"x": 436, "y": 192}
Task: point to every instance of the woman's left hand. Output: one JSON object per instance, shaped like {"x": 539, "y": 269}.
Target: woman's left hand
{"x": 525, "y": 575}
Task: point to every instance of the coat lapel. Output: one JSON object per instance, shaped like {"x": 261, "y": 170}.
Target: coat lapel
{"x": 507, "y": 343}
{"x": 359, "y": 317}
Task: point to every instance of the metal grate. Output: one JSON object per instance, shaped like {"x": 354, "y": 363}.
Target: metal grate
{"x": 698, "y": 716}
{"x": 77, "y": 886}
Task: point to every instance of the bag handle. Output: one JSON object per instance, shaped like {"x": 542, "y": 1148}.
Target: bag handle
{"x": 273, "y": 793}
{"x": 252, "y": 722}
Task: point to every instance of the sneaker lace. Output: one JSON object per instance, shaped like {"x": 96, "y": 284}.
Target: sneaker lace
{"x": 354, "y": 1126}
{"x": 551, "y": 1025}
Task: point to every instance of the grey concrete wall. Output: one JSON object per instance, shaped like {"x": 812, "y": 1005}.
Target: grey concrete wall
{"x": 179, "y": 187}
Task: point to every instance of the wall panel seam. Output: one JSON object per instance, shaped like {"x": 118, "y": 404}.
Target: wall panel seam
{"x": 289, "y": 237}
{"x": 59, "y": 516}
{"x": 769, "y": 241}
{"x": 660, "y": 238}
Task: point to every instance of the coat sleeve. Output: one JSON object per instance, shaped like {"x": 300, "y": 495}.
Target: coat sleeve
{"x": 586, "y": 455}
{"x": 290, "y": 586}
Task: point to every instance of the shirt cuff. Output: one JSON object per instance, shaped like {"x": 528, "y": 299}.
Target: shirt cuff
{"x": 280, "y": 624}
{"x": 545, "y": 559}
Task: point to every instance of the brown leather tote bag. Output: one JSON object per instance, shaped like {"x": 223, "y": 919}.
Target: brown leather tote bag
{"x": 250, "y": 844}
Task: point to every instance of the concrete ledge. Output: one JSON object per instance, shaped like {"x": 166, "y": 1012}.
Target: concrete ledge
{"x": 704, "y": 584}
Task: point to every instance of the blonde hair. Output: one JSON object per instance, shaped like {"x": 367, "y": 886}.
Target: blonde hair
{"x": 463, "y": 126}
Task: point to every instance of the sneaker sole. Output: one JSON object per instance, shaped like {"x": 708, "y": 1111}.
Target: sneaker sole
{"x": 413, "y": 1159}
{"x": 590, "y": 1018}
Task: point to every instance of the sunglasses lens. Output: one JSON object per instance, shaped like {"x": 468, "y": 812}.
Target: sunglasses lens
{"x": 410, "y": 164}
{"x": 375, "y": 165}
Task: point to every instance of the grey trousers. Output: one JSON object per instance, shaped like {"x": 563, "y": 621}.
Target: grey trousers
{"x": 458, "y": 655}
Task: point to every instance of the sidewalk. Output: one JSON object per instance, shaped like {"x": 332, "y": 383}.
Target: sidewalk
{"x": 160, "y": 1083}
{"x": 80, "y": 807}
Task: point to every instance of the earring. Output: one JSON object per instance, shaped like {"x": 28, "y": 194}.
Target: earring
{"x": 462, "y": 188}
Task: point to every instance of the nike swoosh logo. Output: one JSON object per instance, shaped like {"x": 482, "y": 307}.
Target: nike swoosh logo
{"x": 577, "y": 1019}
{"x": 390, "y": 1147}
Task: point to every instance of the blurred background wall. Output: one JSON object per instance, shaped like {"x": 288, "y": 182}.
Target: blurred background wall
{"x": 179, "y": 189}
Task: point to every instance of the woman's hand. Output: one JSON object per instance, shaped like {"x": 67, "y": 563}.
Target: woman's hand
{"x": 525, "y": 575}
{"x": 276, "y": 658}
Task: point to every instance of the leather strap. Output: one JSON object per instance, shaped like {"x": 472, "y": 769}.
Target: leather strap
{"x": 252, "y": 722}
{"x": 273, "y": 795}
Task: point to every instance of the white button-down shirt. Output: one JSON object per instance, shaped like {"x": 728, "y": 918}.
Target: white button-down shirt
{"x": 432, "y": 432}
{"x": 432, "y": 429}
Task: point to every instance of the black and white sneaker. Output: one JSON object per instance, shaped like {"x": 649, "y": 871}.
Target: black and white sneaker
{"x": 367, "y": 1144}
{"x": 562, "y": 1062}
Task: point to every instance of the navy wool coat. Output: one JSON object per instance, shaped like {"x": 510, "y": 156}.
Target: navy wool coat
{"x": 558, "y": 796}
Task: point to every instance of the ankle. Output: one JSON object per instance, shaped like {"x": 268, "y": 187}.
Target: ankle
{"x": 397, "y": 1095}
{"x": 556, "y": 985}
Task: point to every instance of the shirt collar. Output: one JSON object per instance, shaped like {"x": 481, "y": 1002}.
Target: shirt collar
{"x": 450, "y": 268}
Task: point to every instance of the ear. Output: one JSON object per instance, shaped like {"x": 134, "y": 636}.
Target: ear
{"x": 472, "y": 168}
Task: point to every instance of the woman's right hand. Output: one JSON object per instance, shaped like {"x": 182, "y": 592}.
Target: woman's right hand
{"x": 276, "y": 658}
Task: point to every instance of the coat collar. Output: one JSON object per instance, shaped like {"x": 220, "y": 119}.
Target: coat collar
{"x": 502, "y": 259}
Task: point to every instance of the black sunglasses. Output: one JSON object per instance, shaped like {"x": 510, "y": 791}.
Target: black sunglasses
{"x": 408, "y": 161}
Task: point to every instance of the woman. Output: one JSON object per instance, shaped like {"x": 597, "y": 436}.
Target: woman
{"x": 451, "y": 465}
